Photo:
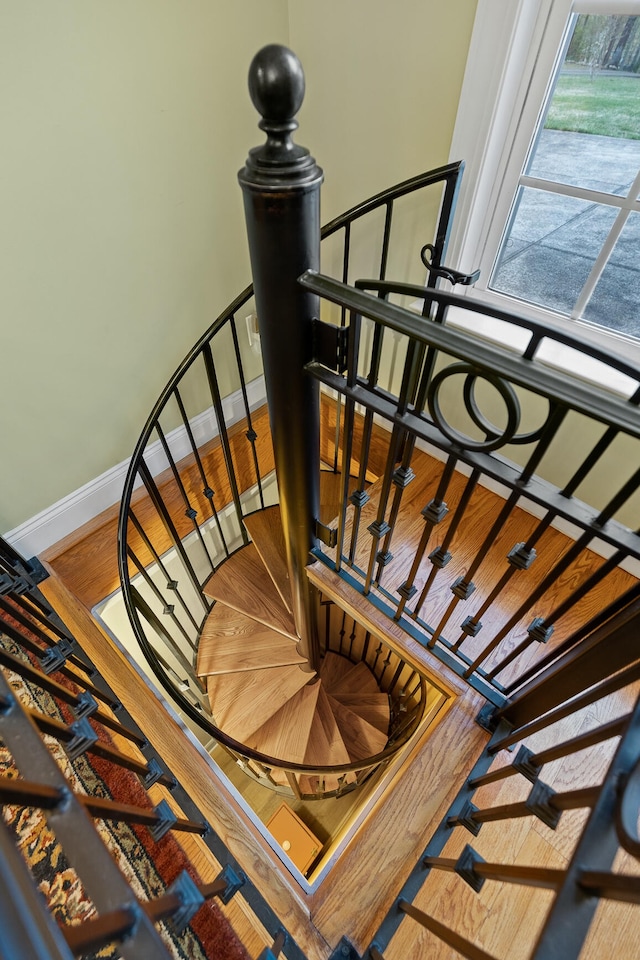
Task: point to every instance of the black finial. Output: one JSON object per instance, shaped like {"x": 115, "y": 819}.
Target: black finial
{"x": 276, "y": 86}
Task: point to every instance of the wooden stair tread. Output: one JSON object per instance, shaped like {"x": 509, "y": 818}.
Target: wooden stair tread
{"x": 372, "y": 707}
{"x": 361, "y": 739}
{"x": 325, "y": 745}
{"x": 242, "y": 702}
{"x": 358, "y": 680}
{"x": 265, "y": 529}
{"x": 285, "y": 735}
{"x": 232, "y": 642}
{"x": 333, "y": 668}
{"x": 242, "y": 582}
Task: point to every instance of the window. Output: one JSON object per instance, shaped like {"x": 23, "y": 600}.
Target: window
{"x": 552, "y": 209}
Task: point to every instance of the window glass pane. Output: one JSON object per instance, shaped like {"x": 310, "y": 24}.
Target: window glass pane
{"x": 615, "y": 302}
{"x": 591, "y": 135}
{"x": 551, "y": 245}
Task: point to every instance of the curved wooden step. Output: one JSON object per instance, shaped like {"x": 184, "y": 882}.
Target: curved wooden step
{"x": 357, "y": 680}
{"x": 232, "y": 642}
{"x": 265, "y": 529}
{"x": 286, "y": 734}
{"x": 242, "y": 702}
{"x": 325, "y": 746}
{"x": 333, "y": 668}
{"x": 372, "y": 707}
{"x": 242, "y": 582}
{"x": 361, "y": 739}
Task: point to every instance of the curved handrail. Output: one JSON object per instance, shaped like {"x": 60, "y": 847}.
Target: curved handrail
{"x": 449, "y": 172}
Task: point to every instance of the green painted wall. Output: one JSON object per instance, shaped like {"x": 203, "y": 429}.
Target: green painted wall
{"x": 383, "y": 84}
{"x": 124, "y": 123}
{"x": 122, "y": 234}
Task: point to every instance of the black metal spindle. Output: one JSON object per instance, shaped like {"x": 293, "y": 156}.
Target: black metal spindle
{"x": 250, "y": 433}
{"x": 347, "y": 451}
{"x": 214, "y": 388}
{"x": 543, "y": 802}
{"x": 38, "y": 652}
{"x": 158, "y": 626}
{"x": 379, "y": 528}
{"x": 595, "y": 851}
{"x": 170, "y": 583}
{"x": 162, "y": 511}
{"x": 46, "y": 682}
{"x": 600, "y": 690}
{"x": 190, "y": 510}
{"x": 610, "y": 886}
{"x": 444, "y": 933}
{"x": 464, "y": 586}
{"x": 68, "y": 734}
{"x": 167, "y": 608}
{"x": 441, "y": 555}
{"x": 595, "y": 623}
{"x": 434, "y": 513}
{"x": 535, "y": 761}
{"x": 74, "y": 829}
{"x": 544, "y": 877}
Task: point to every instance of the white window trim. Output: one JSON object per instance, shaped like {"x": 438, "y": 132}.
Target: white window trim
{"x": 502, "y": 96}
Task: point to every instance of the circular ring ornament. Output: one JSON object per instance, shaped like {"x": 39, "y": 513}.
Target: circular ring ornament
{"x": 494, "y": 436}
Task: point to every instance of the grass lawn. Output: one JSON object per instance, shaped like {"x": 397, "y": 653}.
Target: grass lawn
{"x": 608, "y": 106}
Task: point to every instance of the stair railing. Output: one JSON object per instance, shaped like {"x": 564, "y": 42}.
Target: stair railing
{"x": 205, "y": 459}
{"x": 573, "y": 727}
{"x": 468, "y": 453}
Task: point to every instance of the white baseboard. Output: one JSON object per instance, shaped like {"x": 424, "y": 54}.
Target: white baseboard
{"x": 52, "y": 524}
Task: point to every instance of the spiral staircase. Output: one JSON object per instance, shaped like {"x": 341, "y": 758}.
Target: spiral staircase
{"x": 261, "y": 691}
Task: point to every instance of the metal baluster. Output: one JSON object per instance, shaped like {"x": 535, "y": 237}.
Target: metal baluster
{"x": 343, "y": 319}
{"x": 163, "y": 513}
{"x": 143, "y": 607}
{"x": 352, "y": 374}
{"x": 441, "y": 555}
{"x": 37, "y": 651}
{"x": 207, "y": 490}
{"x": 101, "y": 878}
{"x": 167, "y": 608}
{"x": 434, "y": 513}
{"x": 45, "y": 682}
{"x": 463, "y": 946}
{"x": 539, "y": 627}
{"x": 250, "y": 434}
{"x": 612, "y": 610}
{"x": 66, "y": 734}
{"x": 380, "y": 527}
{"x": 190, "y": 511}
{"x": 216, "y": 397}
{"x": 170, "y": 583}
{"x": 535, "y": 761}
{"x": 603, "y": 689}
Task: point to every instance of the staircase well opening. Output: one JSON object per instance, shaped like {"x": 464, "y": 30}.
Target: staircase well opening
{"x": 334, "y": 821}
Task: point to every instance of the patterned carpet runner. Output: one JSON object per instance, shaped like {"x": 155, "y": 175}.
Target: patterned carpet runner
{"x": 150, "y": 866}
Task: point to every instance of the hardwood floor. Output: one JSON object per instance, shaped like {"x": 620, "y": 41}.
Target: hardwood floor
{"x": 364, "y": 879}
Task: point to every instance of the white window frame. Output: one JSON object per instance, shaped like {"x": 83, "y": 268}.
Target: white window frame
{"x": 514, "y": 48}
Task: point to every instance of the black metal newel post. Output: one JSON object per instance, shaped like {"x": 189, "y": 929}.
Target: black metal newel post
{"x": 281, "y": 187}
